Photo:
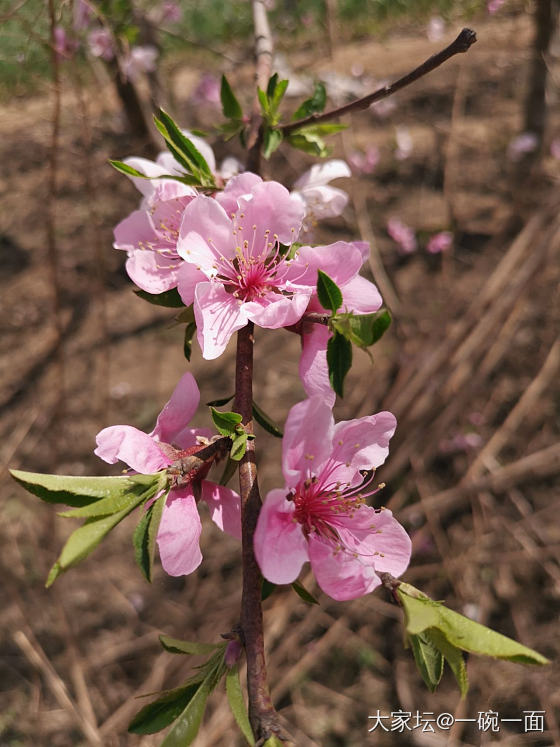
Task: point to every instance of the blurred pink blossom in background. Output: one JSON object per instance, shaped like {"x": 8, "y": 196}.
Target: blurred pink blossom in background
{"x": 100, "y": 44}
{"x": 365, "y": 162}
{"x": 555, "y": 148}
{"x": 207, "y": 90}
{"x": 494, "y": 5}
{"x": 404, "y": 143}
{"x": 63, "y": 45}
{"x": 170, "y": 12}
{"x": 527, "y": 142}
{"x": 436, "y": 29}
{"x": 440, "y": 242}
{"x": 402, "y": 234}
{"x": 82, "y": 15}
{"x": 139, "y": 60}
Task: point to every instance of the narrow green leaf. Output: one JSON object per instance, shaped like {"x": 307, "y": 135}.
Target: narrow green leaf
{"x": 272, "y": 140}
{"x": 265, "y": 421}
{"x": 321, "y": 129}
{"x": 302, "y": 593}
{"x": 183, "y": 144}
{"x": 220, "y": 402}
{"x": 313, "y": 105}
{"x": 161, "y": 712}
{"x": 170, "y": 299}
{"x": 80, "y": 491}
{"x": 132, "y": 490}
{"x": 192, "y": 648}
{"x": 429, "y": 660}
{"x": 271, "y": 87}
{"x": 312, "y": 144}
{"x": 453, "y": 657}
{"x": 190, "y": 329}
{"x": 85, "y": 539}
{"x": 328, "y": 292}
{"x": 237, "y": 704}
{"x": 230, "y": 105}
{"x": 225, "y": 422}
{"x": 144, "y": 537}
{"x": 230, "y": 469}
{"x": 273, "y": 742}
{"x": 267, "y": 589}
{"x": 124, "y": 168}
{"x": 278, "y": 95}
{"x": 339, "y": 360}
{"x": 263, "y": 101}
{"x": 238, "y": 447}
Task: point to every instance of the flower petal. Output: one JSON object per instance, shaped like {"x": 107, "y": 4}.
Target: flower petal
{"x": 218, "y": 315}
{"x": 341, "y": 261}
{"x": 361, "y": 296}
{"x": 323, "y": 173}
{"x": 177, "y": 413}
{"x": 340, "y": 574}
{"x": 280, "y": 546}
{"x": 389, "y": 543}
{"x": 324, "y": 202}
{"x": 269, "y": 207}
{"x": 131, "y": 446}
{"x": 151, "y": 273}
{"x": 134, "y": 232}
{"x": 188, "y": 277}
{"x": 313, "y": 367}
{"x": 361, "y": 444}
{"x": 145, "y": 166}
{"x": 273, "y": 311}
{"x": 225, "y": 507}
{"x": 307, "y": 439}
{"x": 206, "y": 233}
{"x": 179, "y": 533}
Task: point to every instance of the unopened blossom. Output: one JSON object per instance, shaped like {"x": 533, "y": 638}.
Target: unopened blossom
{"x": 313, "y": 189}
{"x": 342, "y": 262}
{"x": 402, "y": 234}
{"x": 519, "y": 146}
{"x": 321, "y": 515}
{"x": 139, "y": 60}
{"x": 172, "y": 438}
{"x": 440, "y": 242}
{"x": 100, "y": 44}
{"x": 149, "y": 236}
{"x": 235, "y": 269}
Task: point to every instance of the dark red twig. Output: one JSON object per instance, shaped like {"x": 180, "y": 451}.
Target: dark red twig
{"x": 462, "y": 43}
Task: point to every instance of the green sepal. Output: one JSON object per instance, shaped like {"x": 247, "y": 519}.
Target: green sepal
{"x": 303, "y": 593}
{"x": 231, "y": 107}
{"x": 339, "y": 360}
{"x": 145, "y": 534}
{"x": 169, "y": 299}
{"x": 328, "y": 292}
{"x": 313, "y": 105}
{"x": 237, "y": 704}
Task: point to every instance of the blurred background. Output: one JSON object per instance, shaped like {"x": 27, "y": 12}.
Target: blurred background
{"x": 455, "y": 186}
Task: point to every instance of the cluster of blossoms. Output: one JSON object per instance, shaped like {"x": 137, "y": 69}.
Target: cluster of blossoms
{"x": 235, "y": 257}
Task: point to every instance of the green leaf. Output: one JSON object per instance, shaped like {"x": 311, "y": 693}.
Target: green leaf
{"x": 170, "y": 299}
{"x": 161, "y": 712}
{"x": 230, "y": 105}
{"x": 80, "y": 491}
{"x": 362, "y": 329}
{"x": 187, "y": 725}
{"x": 177, "y": 646}
{"x": 263, "y": 101}
{"x": 183, "y": 150}
{"x": 85, "y": 539}
{"x": 330, "y": 296}
{"x": 313, "y": 105}
{"x": 220, "y": 402}
{"x": 271, "y": 87}
{"x": 453, "y": 657}
{"x": 302, "y": 593}
{"x": 272, "y": 140}
{"x": 124, "y": 168}
{"x": 225, "y": 422}
{"x": 267, "y": 589}
{"x": 322, "y": 129}
{"x": 339, "y": 360}
{"x": 237, "y": 704}
{"x": 273, "y": 742}
{"x": 429, "y": 660}
{"x": 422, "y": 613}
{"x": 229, "y": 471}
{"x": 312, "y": 144}
{"x": 265, "y": 421}
{"x": 128, "y": 494}
{"x": 238, "y": 447}
{"x": 144, "y": 537}
{"x": 190, "y": 329}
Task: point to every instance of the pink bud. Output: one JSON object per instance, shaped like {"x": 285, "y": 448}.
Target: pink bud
{"x": 402, "y": 234}
{"x": 233, "y": 652}
{"x": 440, "y": 242}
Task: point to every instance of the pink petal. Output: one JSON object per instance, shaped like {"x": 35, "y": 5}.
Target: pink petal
{"x": 152, "y": 273}
{"x": 323, "y": 173}
{"x": 280, "y": 546}
{"x": 134, "y": 232}
{"x": 206, "y": 233}
{"x": 131, "y": 446}
{"x": 270, "y": 208}
{"x": 189, "y": 436}
{"x": 225, "y": 507}
{"x": 274, "y": 311}
{"x": 145, "y": 186}
{"x": 324, "y": 202}
{"x": 341, "y": 261}
{"x": 389, "y": 543}
{"x": 188, "y": 277}
{"x": 239, "y": 185}
{"x": 218, "y": 315}
{"x": 313, "y": 367}
{"x": 177, "y": 413}
{"x": 307, "y": 439}
{"x": 179, "y": 534}
{"x": 361, "y": 444}
{"x": 340, "y": 574}
{"x": 361, "y": 296}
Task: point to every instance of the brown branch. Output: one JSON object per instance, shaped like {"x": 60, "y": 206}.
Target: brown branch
{"x": 263, "y": 55}
{"x": 462, "y": 43}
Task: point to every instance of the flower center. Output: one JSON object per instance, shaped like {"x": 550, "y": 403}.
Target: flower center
{"x": 323, "y": 508}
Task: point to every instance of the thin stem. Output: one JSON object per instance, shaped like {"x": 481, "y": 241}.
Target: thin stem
{"x": 263, "y": 55}
{"x": 462, "y": 43}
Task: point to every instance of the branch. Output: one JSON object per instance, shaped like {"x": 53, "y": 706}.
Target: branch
{"x": 462, "y": 43}
{"x": 263, "y": 55}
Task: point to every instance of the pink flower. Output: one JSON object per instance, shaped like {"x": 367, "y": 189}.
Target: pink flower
{"x": 170, "y": 12}
{"x": 440, "y": 242}
{"x": 318, "y": 198}
{"x": 436, "y": 29}
{"x": 180, "y": 527}
{"x": 63, "y": 45}
{"x": 402, "y": 234}
{"x": 207, "y": 90}
{"x": 404, "y": 144}
{"x": 321, "y": 515}
{"x": 365, "y": 162}
{"x": 139, "y": 60}
{"x": 100, "y": 43}
{"x": 342, "y": 262}
{"x": 493, "y": 6}
{"x": 235, "y": 269}
{"x": 522, "y": 144}
{"x": 149, "y": 235}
